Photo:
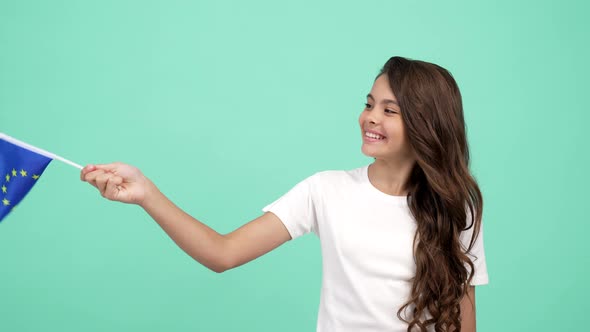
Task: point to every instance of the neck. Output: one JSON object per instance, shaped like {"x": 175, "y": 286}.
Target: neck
{"x": 390, "y": 176}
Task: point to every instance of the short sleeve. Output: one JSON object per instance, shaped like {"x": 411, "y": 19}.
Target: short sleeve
{"x": 296, "y": 208}
{"x": 477, "y": 254}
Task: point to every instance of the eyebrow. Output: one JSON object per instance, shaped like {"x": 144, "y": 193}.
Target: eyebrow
{"x": 387, "y": 101}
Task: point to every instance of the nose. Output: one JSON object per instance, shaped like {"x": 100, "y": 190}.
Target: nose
{"x": 374, "y": 116}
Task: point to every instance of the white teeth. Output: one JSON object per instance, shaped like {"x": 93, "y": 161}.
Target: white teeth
{"x": 371, "y": 135}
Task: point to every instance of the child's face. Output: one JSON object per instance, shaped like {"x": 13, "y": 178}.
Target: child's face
{"x": 383, "y": 115}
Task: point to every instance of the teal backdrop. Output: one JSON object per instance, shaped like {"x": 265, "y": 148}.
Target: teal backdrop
{"x": 226, "y": 105}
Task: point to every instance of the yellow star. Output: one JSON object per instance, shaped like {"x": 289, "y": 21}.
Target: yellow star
{"x": 23, "y": 173}
{"x": 35, "y": 176}
{"x": 7, "y": 178}
{"x": 5, "y": 202}
{"x": 13, "y": 172}
{"x": 4, "y": 189}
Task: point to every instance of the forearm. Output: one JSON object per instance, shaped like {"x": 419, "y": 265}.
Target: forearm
{"x": 468, "y": 326}
{"x": 468, "y": 311}
{"x": 198, "y": 240}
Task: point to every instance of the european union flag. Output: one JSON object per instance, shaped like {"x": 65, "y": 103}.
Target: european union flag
{"x": 20, "y": 169}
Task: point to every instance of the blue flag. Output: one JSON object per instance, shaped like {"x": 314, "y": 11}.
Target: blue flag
{"x": 20, "y": 169}
{"x": 21, "y": 166}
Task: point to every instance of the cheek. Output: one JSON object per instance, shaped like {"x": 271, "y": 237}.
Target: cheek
{"x": 401, "y": 133}
{"x": 361, "y": 119}
{"x": 396, "y": 132}
{"x": 402, "y": 130}
{"x": 399, "y": 127}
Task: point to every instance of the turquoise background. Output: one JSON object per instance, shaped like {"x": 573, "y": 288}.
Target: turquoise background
{"x": 226, "y": 105}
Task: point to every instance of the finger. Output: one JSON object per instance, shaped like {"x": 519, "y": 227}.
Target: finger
{"x": 101, "y": 181}
{"x": 90, "y": 177}
{"x": 112, "y": 167}
{"x": 113, "y": 187}
{"x": 85, "y": 170}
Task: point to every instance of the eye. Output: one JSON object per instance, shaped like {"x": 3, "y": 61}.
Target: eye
{"x": 390, "y": 111}
{"x": 367, "y": 105}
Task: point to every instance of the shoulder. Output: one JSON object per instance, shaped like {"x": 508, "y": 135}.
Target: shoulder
{"x": 337, "y": 177}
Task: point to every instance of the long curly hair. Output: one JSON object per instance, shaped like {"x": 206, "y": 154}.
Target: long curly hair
{"x": 442, "y": 193}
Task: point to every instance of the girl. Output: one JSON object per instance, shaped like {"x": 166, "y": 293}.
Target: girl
{"x": 401, "y": 238}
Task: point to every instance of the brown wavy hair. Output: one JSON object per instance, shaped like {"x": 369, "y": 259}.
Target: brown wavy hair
{"x": 442, "y": 193}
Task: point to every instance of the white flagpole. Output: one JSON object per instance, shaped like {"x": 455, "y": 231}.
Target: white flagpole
{"x": 37, "y": 150}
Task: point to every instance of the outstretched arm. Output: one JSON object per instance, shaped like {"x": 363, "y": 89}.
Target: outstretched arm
{"x": 124, "y": 183}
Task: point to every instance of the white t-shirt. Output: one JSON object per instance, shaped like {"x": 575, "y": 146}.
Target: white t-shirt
{"x": 366, "y": 240}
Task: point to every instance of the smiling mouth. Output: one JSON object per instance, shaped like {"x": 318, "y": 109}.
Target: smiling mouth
{"x": 374, "y": 136}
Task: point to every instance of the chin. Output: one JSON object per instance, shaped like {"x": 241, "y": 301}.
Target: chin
{"x": 370, "y": 154}
{"x": 377, "y": 154}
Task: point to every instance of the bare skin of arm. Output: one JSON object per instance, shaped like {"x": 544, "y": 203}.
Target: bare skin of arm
{"x": 468, "y": 311}
{"x": 216, "y": 251}
{"x": 124, "y": 183}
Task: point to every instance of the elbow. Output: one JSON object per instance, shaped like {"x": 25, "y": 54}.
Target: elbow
{"x": 219, "y": 268}
{"x": 225, "y": 259}
{"x": 219, "y": 259}
{"x": 217, "y": 265}
{"x": 221, "y": 263}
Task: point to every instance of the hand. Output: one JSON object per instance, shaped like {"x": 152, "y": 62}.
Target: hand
{"x": 118, "y": 182}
